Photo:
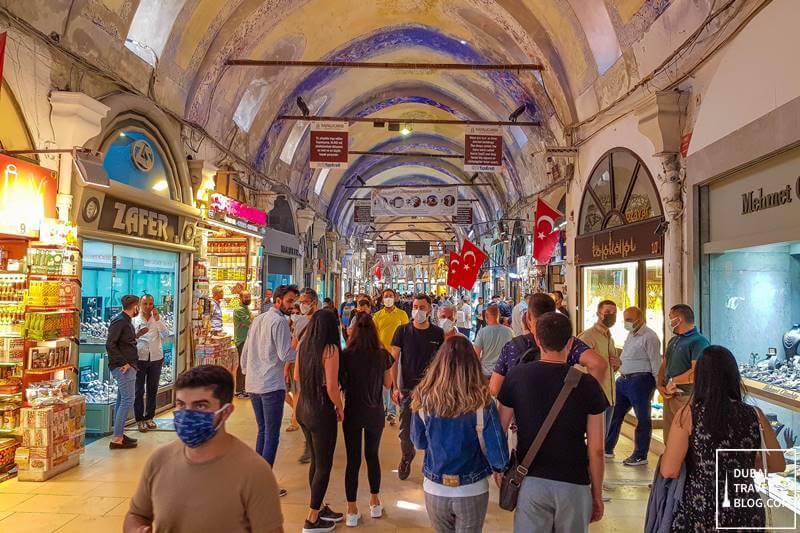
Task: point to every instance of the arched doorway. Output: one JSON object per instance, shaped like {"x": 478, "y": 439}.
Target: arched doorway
{"x": 619, "y": 248}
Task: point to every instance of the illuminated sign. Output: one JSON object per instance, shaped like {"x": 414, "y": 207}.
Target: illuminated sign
{"x": 228, "y": 207}
{"x": 27, "y": 196}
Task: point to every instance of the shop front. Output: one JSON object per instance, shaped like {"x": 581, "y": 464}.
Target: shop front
{"x": 620, "y": 243}
{"x": 282, "y": 251}
{"x": 749, "y": 264}
{"x": 136, "y": 237}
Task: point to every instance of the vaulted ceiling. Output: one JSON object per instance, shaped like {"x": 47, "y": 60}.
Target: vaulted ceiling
{"x": 579, "y": 43}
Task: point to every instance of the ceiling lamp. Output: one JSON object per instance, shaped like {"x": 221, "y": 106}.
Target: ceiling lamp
{"x": 406, "y": 130}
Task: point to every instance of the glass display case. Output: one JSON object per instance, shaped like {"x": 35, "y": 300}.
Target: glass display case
{"x": 753, "y": 309}
{"x": 110, "y": 271}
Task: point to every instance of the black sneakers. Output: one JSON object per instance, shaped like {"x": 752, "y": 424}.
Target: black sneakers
{"x": 404, "y": 470}
{"x": 320, "y": 526}
{"x": 327, "y": 513}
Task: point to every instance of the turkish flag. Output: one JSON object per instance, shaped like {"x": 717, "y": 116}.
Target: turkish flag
{"x": 545, "y": 234}
{"x": 377, "y": 270}
{"x": 472, "y": 259}
{"x": 455, "y": 270}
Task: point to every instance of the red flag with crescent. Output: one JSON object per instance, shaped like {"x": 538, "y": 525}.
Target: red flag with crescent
{"x": 3, "y": 37}
{"x": 377, "y": 270}
{"x": 472, "y": 259}
{"x": 545, "y": 233}
{"x": 455, "y": 270}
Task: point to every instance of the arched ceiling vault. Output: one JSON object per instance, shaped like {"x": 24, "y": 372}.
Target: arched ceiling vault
{"x": 574, "y": 40}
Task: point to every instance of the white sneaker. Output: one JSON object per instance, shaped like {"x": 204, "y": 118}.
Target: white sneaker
{"x": 352, "y": 519}
{"x": 376, "y": 511}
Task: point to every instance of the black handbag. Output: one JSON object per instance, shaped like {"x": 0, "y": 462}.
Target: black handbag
{"x": 516, "y": 472}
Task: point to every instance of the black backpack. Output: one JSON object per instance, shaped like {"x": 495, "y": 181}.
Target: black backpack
{"x": 529, "y": 353}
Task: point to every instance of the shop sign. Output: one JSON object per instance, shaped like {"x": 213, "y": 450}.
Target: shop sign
{"x": 27, "y": 196}
{"x": 381, "y": 248}
{"x": 129, "y": 218}
{"x": 624, "y": 243}
{"x": 414, "y": 201}
{"x": 329, "y": 144}
{"x": 483, "y": 150}
{"x": 236, "y": 213}
{"x": 362, "y": 212}
{"x": 752, "y": 202}
{"x": 463, "y": 214}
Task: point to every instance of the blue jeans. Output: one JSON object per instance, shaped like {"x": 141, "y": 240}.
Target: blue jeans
{"x": 388, "y": 404}
{"x": 126, "y": 394}
{"x": 635, "y": 391}
{"x": 268, "y": 408}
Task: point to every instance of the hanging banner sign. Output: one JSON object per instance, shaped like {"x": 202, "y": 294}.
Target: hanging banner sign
{"x": 415, "y": 201}
{"x": 235, "y": 213}
{"x": 463, "y": 214}
{"x": 27, "y": 196}
{"x": 329, "y": 144}
{"x": 483, "y": 149}
{"x": 362, "y": 212}
{"x": 381, "y": 248}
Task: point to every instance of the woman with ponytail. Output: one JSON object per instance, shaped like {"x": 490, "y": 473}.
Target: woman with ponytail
{"x": 366, "y": 369}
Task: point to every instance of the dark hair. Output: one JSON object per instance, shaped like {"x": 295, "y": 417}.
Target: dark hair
{"x": 327, "y": 301}
{"x": 560, "y": 294}
{"x": 540, "y": 303}
{"x": 425, "y": 297}
{"x": 684, "y": 311}
{"x": 308, "y": 291}
{"x": 603, "y": 303}
{"x": 213, "y": 377}
{"x": 364, "y": 344}
{"x": 364, "y": 301}
{"x": 493, "y": 310}
{"x": 128, "y": 301}
{"x": 716, "y": 383}
{"x": 553, "y": 331}
{"x": 321, "y": 332}
{"x": 283, "y": 290}
{"x": 389, "y": 289}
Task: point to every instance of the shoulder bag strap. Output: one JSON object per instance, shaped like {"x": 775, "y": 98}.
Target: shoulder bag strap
{"x": 479, "y": 429}
{"x": 571, "y": 381}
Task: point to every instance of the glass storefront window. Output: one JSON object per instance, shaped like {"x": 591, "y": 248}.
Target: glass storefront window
{"x": 617, "y": 283}
{"x": 111, "y": 271}
{"x": 654, "y": 285}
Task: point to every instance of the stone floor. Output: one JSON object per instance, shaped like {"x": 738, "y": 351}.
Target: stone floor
{"x": 93, "y": 497}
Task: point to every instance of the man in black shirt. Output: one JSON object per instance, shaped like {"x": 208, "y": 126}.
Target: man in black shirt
{"x": 122, "y": 359}
{"x": 564, "y": 483}
{"x": 413, "y": 346}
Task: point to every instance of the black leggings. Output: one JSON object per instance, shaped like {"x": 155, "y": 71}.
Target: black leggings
{"x": 320, "y": 428}
{"x": 352, "y": 442}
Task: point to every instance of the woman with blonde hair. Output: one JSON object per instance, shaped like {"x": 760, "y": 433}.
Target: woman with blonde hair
{"x": 457, "y": 424}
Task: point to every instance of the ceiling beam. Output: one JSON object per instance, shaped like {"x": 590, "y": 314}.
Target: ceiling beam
{"x": 383, "y": 66}
{"x": 431, "y": 186}
{"x": 408, "y": 154}
{"x": 353, "y": 199}
{"x": 315, "y": 118}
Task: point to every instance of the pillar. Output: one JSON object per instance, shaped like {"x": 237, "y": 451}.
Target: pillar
{"x": 76, "y": 118}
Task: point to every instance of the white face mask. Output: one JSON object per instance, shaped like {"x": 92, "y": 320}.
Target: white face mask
{"x": 305, "y": 309}
{"x": 419, "y": 315}
{"x": 629, "y": 326}
{"x": 446, "y": 324}
{"x": 388, "y": 302}
{"x": 294, "y": 318}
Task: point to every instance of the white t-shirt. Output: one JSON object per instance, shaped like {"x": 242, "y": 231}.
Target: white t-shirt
{"x": 464, "y": 316}
{"x": 516, "y": 318}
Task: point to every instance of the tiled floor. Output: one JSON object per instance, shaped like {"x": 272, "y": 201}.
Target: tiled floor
{"x": 93, "y": 497}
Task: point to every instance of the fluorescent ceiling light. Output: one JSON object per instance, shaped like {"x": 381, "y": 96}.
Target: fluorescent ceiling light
{"x": 406, "y": 131}
{"x": 161, "y": 186}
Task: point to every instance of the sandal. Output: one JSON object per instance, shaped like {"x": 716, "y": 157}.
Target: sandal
{"x": 292, "y": 427}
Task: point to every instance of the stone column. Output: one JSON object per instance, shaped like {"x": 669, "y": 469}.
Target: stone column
{"x": 76, "y": 118}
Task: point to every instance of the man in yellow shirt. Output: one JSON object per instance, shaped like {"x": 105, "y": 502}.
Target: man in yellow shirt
{"x": 599, "y": 339}
{"x": 387, "y": 320}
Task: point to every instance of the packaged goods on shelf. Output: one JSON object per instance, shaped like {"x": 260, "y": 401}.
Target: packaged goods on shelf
{"x": 8, "y": 447}
{"x": 217, "y": 350}
{"x": 51, "y": 325}
{"x": 52, "y": 292}
{"x": 52, "y": 392}
{"x": 12, "y": 287}
{"x": 10, "y": 385}
{"x": 53, "y": 261}
{"x": 45, "y": 357}
{"x": 9, "y": 416}
{"x": 12, "y": 350}
{"x": 51, "y": 435}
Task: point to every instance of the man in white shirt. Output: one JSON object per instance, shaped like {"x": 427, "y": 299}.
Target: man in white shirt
{"x": 517, "y": 324}
{"x": 464, "y": 317}
{"x": 217, "y": 295}
{"x": 150, "y": 332}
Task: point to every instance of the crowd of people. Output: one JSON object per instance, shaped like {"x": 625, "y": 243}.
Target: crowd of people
{"x": 470, "y": 386}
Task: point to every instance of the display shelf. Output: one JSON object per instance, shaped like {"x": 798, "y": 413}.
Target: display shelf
{"x": 50, "y": 308}
{"x": 10, "y": 395}
{"x": 773, "y": 393}
{"x": 28, "y": 475}
{"x": 10, "y": 363}
{"x": 55, "y": 277}
{"x": 228, "y": 254}
{"x": 48, "y": 370}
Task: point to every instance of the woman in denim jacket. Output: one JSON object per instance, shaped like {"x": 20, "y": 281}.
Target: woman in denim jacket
{"x": 457, "y": 424}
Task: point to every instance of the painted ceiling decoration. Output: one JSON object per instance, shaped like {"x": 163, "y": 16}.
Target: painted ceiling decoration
{"x": 576, "y": 41}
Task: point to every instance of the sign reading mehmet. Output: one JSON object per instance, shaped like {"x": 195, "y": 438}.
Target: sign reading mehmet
{"x": 483, "y": 149}
{"x": 415, "y": 201}
{"x": 329, "y": 143}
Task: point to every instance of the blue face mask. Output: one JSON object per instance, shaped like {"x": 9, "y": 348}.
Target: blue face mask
{"x": 196, "y": 427}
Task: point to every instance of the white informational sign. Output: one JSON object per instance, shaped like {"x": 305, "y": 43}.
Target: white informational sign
{"x": 415, "y": 201}
{"x": 483, "y": 149}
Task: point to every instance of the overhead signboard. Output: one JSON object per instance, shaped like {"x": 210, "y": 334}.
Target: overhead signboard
{"x": 483, "y": 150}
{"x": 235, "y": 213}
{"x": 381, "y": 248}
{"x": 329, "y": 143}
{"x": 27, "y": 196}
{"x": 418, "y": 248}
{"x": 362, "y": 212}
{"x": 463, "y": 214}
{"x": 415, "y": 201}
